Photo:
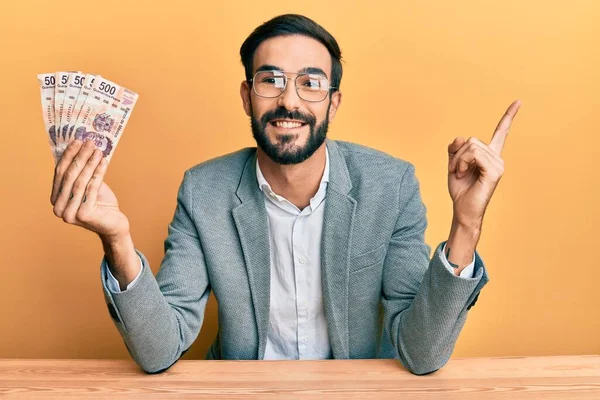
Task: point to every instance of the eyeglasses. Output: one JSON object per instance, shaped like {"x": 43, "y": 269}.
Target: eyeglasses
{"x": 309, "y": 87}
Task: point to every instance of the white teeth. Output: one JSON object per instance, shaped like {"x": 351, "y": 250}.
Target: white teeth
{"x": 288, "y": 124}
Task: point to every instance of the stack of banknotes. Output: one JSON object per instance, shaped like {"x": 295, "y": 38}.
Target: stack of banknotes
{"x": 77, "y": 105}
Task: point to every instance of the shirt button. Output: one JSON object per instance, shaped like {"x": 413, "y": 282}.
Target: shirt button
{"x": 302, "y": 260}
{"x": 305, "y": 339}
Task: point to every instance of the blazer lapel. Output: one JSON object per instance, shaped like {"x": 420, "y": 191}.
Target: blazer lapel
{"x": 252, "y": 225}
{"x": 335, "y": 250}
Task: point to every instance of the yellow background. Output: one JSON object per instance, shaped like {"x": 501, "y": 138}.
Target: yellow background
{"x": 416, "y": 75}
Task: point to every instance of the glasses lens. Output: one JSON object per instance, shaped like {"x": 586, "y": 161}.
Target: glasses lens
{"x": 312, "y": 87}
{"x": 269, "y": 83}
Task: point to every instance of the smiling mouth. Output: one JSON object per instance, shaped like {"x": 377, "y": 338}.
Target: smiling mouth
{"x": 287, "y": 124}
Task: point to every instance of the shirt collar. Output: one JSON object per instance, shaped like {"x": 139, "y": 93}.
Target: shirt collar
{"x": 283, "y": 203}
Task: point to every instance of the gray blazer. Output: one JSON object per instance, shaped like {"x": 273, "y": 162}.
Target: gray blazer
{"x": 383, "y": 296}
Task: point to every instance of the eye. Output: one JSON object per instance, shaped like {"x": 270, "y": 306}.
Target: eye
{"x": 313, "y": 82}
{"x": 271, "y": 80}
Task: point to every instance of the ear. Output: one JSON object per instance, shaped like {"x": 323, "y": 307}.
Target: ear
{"x": 245, "y": 94}
{"x": 336, "y": 100}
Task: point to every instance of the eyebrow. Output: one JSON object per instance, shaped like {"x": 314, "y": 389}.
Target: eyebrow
{"x": 306, "y": 70}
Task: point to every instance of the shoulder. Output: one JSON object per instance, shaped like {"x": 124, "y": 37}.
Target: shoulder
{"x": 223, "y": 171}
{"x": 375, "y": 165}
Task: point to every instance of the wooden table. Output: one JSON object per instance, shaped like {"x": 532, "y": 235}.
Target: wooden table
{"x": 564, "y": 377}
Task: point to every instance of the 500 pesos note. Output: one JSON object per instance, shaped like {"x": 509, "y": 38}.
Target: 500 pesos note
{"x": 121, "y": 115}
{"x": 47, "y": 83}
{"x": 101, "y": 96}
{"x": 104, "y": 115}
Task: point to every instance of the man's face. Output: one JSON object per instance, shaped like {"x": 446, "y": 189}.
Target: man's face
{"x": 287, "y": 128}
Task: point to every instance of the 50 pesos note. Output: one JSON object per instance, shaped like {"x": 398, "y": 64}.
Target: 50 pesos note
{"x": 60, "y": 91}
{"x": 88, "y": 81}
{"x": 47, "y": 83}
{"x": 74, "y": 86}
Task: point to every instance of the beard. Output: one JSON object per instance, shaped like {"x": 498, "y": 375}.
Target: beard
{"x": 282, "y": 152}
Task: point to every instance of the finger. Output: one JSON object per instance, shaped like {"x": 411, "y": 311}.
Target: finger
{"x": 496, "y": 162}
{"x": 482, "y": 159}
{"x": 455, "y": 146}
{"x": 61, "y": 167}
{"x": 475, "y": 144}
{"x": 465, "y": 147}
{"x": 473, "y": 156}
{"x": 80, "y": 187}
{"x": 70, "y": 175}
{"x": 91, "y": 193}
{"x": 501, "y": 132}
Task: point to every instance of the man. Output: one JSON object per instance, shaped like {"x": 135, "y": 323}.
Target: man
{"x": 313, "y": 248}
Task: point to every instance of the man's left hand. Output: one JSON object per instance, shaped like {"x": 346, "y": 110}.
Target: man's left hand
{"x": 474, "y": 170}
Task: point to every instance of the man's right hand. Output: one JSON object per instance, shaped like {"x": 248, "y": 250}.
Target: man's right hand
{"x": 80, "y": 197}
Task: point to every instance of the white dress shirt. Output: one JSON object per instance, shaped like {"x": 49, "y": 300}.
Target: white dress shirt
{"x": 297, "y": 323}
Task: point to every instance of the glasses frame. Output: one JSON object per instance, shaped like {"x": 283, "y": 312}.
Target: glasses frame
{"x": 287, "y": 79}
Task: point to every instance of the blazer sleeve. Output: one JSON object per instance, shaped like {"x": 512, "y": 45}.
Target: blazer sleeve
{"x": 159, "y": 318}
{"x": 425, "y": 305}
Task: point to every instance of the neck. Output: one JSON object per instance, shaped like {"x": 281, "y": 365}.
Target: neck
{"x": 298, "y": 183}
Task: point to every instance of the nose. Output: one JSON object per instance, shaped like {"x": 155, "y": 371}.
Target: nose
{"x": 289, "y": 98}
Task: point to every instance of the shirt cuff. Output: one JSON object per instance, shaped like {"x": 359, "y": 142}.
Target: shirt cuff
{"x": 465, "y": 273}
{"x": 113, "y": 283}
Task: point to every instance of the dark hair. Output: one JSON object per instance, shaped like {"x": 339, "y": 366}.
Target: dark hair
{"x": 292, "y": 24}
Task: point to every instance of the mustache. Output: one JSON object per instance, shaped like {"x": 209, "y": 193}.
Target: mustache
{"x": 283, "y": 113}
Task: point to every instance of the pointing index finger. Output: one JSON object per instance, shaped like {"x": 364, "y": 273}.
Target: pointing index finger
{"x": 501, "y": 132}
